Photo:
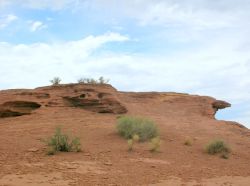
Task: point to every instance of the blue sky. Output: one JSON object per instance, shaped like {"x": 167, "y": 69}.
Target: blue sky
{"x": 199, "y": 47}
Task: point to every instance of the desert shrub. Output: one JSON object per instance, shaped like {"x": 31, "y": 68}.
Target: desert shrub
{"x": 100, "y": 80}
{"x": 155, "y": 144}
{"x": 62, "y": 142}
{"x": 129, "y": 126}
{"x": 217, "y": 146}
{"x": 87, "y": 81}
{"x": 55, "y": 81}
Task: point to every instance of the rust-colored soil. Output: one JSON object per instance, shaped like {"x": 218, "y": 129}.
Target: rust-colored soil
{"x": 90, "y": 112}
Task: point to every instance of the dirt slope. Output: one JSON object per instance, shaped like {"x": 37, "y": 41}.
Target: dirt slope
{"x": 90, "y": 112}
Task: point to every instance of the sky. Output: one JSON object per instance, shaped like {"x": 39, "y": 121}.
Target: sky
{"x": 194, "y": 46}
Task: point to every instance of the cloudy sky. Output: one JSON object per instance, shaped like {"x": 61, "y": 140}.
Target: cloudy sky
{"x": 193, "y": 46}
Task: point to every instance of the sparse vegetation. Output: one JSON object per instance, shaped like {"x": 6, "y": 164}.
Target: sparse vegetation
{"x": 100, "y": 80}
{"x": 132, "y": 141}
{"x": 130, "y": 144}
{"x": 56, "y": 81}
{"x": 129, "y": 126}
{"x": 155, "y": 144}
{"x": 218, "y": 146}
{"x": 188, "y": 142}
{"x": 62, "y": 142}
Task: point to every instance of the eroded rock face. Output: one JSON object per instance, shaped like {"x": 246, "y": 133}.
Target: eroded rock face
{"x": 39, "y": 95}
{"x": 4, "y": 113}
{"x": 95, "y": 98}
{"x": 96, "y": 102}
{"x": 106, "y": 99}
{"x": 218, "y": 104}
{"x": 17, "y": 108}
{"x": 21, "y": 105}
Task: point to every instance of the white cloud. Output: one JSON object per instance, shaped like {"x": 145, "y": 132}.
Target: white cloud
{"x": 6, "y": 20}
{"x": 32, "y": 65}
{"x": 37, "y": 25}
{"x": 200, "y": 14}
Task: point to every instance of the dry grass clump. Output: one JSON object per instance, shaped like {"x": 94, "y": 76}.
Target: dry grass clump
{"x": 130, "y": 144}
{"x": 132, "y": 141}
{"x": 62, "y": 142}
{"x": 155, "y": 144}
{"x": 218, "y": 147}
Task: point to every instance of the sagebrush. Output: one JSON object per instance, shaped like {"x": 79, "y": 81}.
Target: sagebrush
{"x": 128, "y": 126}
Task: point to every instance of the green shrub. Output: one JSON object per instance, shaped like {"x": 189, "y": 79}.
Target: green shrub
{"x": 62, "y": 142}
{"x": 155, "y": 144}
{"x": 129, "y": 126}
{"x": 217, "y": 146}
{"x": 55, "y": 81}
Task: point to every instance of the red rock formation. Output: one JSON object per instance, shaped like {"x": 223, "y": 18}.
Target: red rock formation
{"x": 90, "y": 113}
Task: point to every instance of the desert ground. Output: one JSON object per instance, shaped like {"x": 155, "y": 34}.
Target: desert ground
{"x": 90, "y": 112}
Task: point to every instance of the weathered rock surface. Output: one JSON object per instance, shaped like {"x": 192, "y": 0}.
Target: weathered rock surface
{"x": 218, "y": 104}
{"x": 17, "y": 108}
{"x": 102, "y": 99}
{"x": 99, "y": 99}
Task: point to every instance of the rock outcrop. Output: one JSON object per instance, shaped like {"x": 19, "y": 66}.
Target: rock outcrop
{"x": 218, "y": 104}
{"x": 104, "y": 99}
{"x": 96, "y": 102}
{"x": 17, "y": 108}
{"x": 95, "y": 98}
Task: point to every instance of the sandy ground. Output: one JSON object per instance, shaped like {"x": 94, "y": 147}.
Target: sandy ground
{"x": 105, "y": 159}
